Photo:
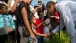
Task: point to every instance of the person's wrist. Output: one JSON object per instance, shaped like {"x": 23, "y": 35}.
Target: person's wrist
{"x": 55, "y": 16}
{"x": 37, "y": 7}
{"x": 31, "y": 33}
{"x": 51, "y": 33}
{"x": 44, "y": 35}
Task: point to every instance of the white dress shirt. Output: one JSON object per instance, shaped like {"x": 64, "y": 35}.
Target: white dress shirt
{"x": 67, "y": 10}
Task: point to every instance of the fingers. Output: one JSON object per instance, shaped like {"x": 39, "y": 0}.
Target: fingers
{"x": 48, "y": 35}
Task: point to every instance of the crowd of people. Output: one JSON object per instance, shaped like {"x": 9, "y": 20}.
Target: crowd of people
{"x": 33, "y": 24}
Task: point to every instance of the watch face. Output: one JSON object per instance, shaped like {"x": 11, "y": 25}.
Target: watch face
{"x": 47, "y": 21}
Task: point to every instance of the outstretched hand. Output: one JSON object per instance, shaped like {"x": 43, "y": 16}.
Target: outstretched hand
{"x": 47, "y": 36}
{"x": 50, "y": 34}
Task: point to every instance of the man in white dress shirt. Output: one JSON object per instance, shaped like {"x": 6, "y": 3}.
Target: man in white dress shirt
{"x": 67, "y": 10}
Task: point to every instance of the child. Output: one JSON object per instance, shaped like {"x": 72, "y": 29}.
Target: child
{"x": 48, "y": 26}
{"x": 5, "y": 20}
{"x": 33, "y": 22}
{"x": 40, "y": 26}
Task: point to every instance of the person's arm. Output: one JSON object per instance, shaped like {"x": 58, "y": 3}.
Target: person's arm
{"x": 34, "y": 11}
{"x": 26, "y": 22}
{"x": 56, "y": 29}
{"x": 52, "y": 16}
{"x": 45, "y": 35}
{"x": 14, "y": 6}
{"x": 38, "y": 25}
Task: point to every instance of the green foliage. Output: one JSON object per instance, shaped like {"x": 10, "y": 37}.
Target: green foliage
{"x": 64, "y": 38}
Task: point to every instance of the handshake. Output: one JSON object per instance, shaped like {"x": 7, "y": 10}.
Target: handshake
{"x": 48, "y": 35}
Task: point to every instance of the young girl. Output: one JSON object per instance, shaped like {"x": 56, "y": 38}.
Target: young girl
{"x": 33, "y": 22}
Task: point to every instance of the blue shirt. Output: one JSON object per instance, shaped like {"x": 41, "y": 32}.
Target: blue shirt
{"x": 8, "y": 20}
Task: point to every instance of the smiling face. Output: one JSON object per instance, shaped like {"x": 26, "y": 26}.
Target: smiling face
{"x": 41, "y": 15}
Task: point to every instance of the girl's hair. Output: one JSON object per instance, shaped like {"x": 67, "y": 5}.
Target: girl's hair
{"x": 49, "y": 3}
{"x": 32, "y": 17}
{"x": 1, "y": 5}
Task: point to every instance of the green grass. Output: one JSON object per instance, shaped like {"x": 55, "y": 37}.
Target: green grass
{"x": 64, "y": 38}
